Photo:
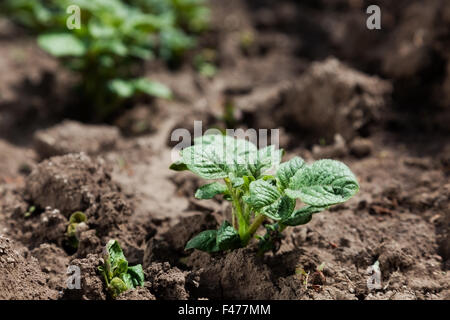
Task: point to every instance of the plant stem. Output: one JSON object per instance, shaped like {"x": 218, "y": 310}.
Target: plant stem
{"x": 237, "y": 210}
{"x": 252, "y": 229}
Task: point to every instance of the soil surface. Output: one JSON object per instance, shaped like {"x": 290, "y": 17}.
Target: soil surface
{"x": 378, "y": 100}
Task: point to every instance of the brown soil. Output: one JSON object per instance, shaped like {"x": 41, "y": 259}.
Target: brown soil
{"x": 377, "y": 100}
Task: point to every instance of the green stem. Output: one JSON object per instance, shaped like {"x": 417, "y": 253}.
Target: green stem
{"x": 252, "y": 229}
{"x": 237, "y": 210}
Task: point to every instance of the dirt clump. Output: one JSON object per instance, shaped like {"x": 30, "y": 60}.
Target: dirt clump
{"x": 22, "y": 277}
{"x": 170, "y": 283}
{"x": 73, "y": 137}
{"x": 236, "y": 275}
{"x": 88, "y": 242}
{"x": 91, "y": 283}
{"x": 77, "y": 182}
{"x": 169, "y": 246}
{"x": 139, "y": 293}
{"x": 53, "y": 261}
{"x": 331, "y": 98}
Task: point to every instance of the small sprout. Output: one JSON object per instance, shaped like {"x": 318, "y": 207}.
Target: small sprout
{"x": 74, "y": 221}
{"x": 247, "y": 40}
{"x": 257, "y": 196}
{"x": 321, "y": 267}
{"x": 30, "y": 211}
{"x": 303, "y": 276}
{"x": 205, "y": 63}
{"x": 318, "y": 279}
{"x": 119, "y": 277}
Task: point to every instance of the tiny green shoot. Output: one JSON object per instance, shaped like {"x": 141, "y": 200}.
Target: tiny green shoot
{"x": 75, "y": 219}
{"x": 119, "y": 276}
{"x": 30, "y": 211}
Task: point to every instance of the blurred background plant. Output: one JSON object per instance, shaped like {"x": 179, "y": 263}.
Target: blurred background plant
{"x": 114, "y": 38}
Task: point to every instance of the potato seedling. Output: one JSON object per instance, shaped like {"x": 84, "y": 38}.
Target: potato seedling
{"x": 75, "y": 219}
{"x": 119, "y": 277}
{"x": 113, "y": 37}
{"x": 258, "y": 196}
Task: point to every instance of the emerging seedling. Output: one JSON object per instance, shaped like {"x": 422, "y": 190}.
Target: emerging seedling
{"x": 75, "y": 219}
{"x": 256, "y": 195}
{"x": 119, "y": 277}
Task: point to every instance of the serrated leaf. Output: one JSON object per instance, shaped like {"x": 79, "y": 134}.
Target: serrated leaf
{"x": 238, "y": 154}
{"x": 62, "y": 44}
{"x": 280, "y": 209}
{"x": 227, "y": 237}
{"x": 208, "y": 191}
{"x": 301, "y": 216}
{"x": 218, "y": 156}
{"x": 207, "y": 161}
{"x": 324, "y": 183}
{"x": 267, "y": 158}
{"x": 204, "y": 241}
{"x": 262, "y": 193}
{"x": 178, "y": 166}
{"x": 287, "y": 170}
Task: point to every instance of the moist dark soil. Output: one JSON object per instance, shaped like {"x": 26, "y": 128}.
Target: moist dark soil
{"x": 378, "y": 100}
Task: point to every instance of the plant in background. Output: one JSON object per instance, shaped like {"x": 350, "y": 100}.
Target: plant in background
{"x": 113, "y": 39}
{"x": 119, "y": 277}
{"x": 258, "y": 196}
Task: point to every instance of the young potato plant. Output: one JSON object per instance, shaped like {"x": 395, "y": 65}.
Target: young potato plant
{"x": 258, "y": 196}
{"x": 107, "y": 49}
{"x": 119, "y": 277}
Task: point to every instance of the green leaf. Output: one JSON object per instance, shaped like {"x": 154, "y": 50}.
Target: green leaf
{"x": 280, "y": 209}
{"x": 137, "y": 275}
{"x": 126, "y": 278}
{"x": 227, "y": 237}
{"x": 152, "y": 88}
{"x": 237, "y": 182}
{"x": 262, "y": 193}
{"x": 208, "y": 191}
{"x": 116, "y": 287}
{"x": 287, "y": 170}
{"x": 178, "y": 166}
{"x": 122, "y": 88}
{"x": 116, "y": 263}
{"x": 62, "y": 44}
{"x": 301, "y": 216}
{"x": 204, "y": 241}
{"x": 324, "y": 183}
{"x": 235, "y": 154}
{"x": 77, "y": 217}
{"x": 207, "y": 161}
{"x": 268, "y": 158}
